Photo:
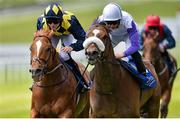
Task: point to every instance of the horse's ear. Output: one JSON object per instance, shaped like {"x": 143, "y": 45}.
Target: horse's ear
{"x": 51, "y": 33}
{"x": 156, "y": 37}
{"x": 35, "y": 34}
{"x": 108, "y": 29}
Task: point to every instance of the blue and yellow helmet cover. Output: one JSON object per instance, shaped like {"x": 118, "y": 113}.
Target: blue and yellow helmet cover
{"x": 54, "y": 10}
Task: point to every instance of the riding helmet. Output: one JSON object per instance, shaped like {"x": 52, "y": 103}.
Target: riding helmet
{"x": 53, "y": 11}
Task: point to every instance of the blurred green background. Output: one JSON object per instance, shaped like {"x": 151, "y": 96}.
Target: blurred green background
{"x": 17, "y": 27}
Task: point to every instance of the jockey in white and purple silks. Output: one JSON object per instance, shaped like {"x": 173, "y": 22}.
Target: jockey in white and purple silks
{"x": 123, "y": 28}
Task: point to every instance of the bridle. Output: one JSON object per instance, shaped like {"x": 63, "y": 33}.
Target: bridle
{"x": 44, "y": 67}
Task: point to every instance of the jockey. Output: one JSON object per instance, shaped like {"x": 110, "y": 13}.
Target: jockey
{"x": 123, "y": 29}
{"x": 165, "y": 38}
{"x": 66, "y": 28}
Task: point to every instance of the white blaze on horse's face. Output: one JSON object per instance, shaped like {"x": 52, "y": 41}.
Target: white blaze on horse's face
{"x": 94, "y": 39}
{"x": 95, "y": 31}
{"x": 38, "y": 45}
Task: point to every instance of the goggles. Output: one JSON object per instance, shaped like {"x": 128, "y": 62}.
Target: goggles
{"x": 153, "y": 28}
{"x": 55, "y": 21}
{"x": 112, "y": 22}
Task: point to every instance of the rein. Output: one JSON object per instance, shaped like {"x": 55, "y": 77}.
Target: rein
{"x": 54, "y": 69}
{"x": 163, "y": 70}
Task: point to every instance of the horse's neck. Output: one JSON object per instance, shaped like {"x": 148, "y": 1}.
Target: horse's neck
{"x": 159, "y": 64}
{"x": 105, "y": 72}
{"x": 156, "y": 60}
{"x": 57, "y": 75}
{"x": 108, "y": 64}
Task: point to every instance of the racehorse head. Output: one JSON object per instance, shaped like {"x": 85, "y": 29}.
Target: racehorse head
{"x": 43, "y": 55}
{"x": 151, "y": 50}
{"x": 98, "y": 44}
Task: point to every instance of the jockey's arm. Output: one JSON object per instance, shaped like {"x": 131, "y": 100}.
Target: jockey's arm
{"x": 141, "y": 38}
{"x": 169, "y": 41}
{"x": 78, "y": 33}
{"x": 134, "y": 40}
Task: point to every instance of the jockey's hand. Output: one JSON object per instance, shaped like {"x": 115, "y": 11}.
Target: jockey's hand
{"x": 119, "y": 55}
{"x": 67, "y": 49}
{"x": 161, "y": 47}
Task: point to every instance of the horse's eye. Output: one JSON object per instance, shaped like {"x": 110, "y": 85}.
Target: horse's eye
{"x": 30, "y": 48}
{"x": 48, "y": 49}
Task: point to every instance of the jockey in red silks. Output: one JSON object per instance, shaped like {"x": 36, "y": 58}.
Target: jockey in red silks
{"x": 123, "y": 28}
{"x": 66, "y": 28}
{"x": 166, "y": 40}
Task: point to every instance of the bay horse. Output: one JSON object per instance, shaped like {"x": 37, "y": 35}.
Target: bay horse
{"x": 151, "y": 52}
{"x": 115, "y": 92}
{"x": 54, "y": 93}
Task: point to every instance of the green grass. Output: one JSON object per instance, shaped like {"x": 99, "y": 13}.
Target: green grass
{"x": 139, "y": 10}
{"x": 17, "y": 31}
{"x": 15, "y": 3}
{"x": 175, "y": 99}
{"x": 15, "y": 97}
{"x": 20, "y": 3}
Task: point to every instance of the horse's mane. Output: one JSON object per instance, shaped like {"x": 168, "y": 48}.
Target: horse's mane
{"x": 102, "y": 25}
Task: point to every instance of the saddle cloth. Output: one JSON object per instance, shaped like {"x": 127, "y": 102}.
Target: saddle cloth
{"x": 145, "y": 82}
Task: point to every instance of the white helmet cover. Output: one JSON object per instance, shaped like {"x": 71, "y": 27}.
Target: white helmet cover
{"x": 112, "y": 12}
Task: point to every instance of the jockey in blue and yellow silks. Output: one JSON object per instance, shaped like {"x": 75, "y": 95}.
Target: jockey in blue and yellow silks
{"x": 66, "y": 28}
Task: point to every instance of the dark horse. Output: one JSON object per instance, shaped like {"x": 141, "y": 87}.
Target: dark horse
{"x": 115, "y": 92}
{"x": 54, "y": 93}
{"x": 151, "y": 52}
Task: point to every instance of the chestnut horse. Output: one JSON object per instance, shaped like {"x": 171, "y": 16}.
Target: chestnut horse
{"x": 115, "y": 92}
{"x": 54, "y": 93}
{"x": 151, "y": 52}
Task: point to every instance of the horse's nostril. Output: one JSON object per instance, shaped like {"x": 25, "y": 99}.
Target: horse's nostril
{"x": 35, "y": 72}
{"x": 94, "y": 52}
{"x": 86, "y": 53}
{"x": 38, "y": 71}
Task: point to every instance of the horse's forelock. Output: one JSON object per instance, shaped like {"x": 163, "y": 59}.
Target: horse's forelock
{"x": 47, "y": 33}
{"x": 103, "y": 28}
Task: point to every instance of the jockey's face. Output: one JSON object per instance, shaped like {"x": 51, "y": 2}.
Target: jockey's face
{"x": 153, "y": 31}
{"x": 112, "y": 24}
{"x": 53, "y": 23}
